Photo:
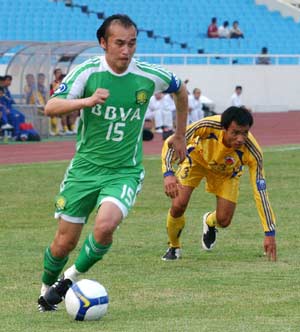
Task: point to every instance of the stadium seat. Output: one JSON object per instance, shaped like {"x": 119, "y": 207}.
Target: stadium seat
{"x": 183, "y": 22}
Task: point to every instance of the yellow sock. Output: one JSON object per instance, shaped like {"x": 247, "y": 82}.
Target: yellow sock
{"x": 65, "y": 128}
{"x": 174, "y": 229}
{"x": 53, "y": 122}
{"x": 211, "y": 220}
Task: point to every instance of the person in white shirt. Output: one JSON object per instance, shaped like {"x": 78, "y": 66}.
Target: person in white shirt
{"x": 236, "y": 99}
{"x": 223, "y": 30}
{"x": 169, "y": 111}
{"x": 160, "y": 109}
{"x": 195, "y": 106}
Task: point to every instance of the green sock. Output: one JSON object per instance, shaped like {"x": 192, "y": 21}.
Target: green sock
{"x": 90, "y": 253}
{"x": 52, "y": 267}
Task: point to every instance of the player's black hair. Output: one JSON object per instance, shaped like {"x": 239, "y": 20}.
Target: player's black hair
{"x": 124, "y": 20}
{"x": 241, "y": 115}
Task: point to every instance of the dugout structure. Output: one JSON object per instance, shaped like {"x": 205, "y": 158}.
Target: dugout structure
{"x": 19, "y": 58}
{"x": 24, "y": 58}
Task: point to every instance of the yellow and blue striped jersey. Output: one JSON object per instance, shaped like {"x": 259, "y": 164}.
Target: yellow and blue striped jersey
{"x": 205, "y": 147}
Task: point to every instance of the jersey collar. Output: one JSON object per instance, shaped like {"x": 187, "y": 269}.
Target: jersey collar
{"x": 108, "y": 68}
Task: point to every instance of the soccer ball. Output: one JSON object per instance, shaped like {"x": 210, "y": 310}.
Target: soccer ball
{"x": 86, "y": 300}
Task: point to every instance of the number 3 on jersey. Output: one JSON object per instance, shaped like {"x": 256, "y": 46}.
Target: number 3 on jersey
{"x": 114, "y": 132}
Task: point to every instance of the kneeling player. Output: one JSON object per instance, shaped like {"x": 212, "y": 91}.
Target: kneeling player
{"x": 218, "y": 149}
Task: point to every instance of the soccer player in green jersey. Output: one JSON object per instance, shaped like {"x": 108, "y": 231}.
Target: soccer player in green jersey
{"x": 112, "y": 92}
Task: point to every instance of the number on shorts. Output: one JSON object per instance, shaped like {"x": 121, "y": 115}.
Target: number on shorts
{"x": 127, "y": 194}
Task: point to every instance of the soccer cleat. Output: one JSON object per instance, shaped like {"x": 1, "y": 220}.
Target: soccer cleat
{"x": 43, "y": 306}
{"x": 209, "y": 235}
{"x": 6, "y": 126}
{"x": 172, "y": 254}
{"x": 56, "y": 293}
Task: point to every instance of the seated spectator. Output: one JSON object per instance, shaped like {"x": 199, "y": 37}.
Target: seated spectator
{"x": 68, "y": 121}
{"x": 42, "y": 91}
{"x": 13, "y": 117}
{"x": 263, "y": 59}
{"x": 3, "y": 118}
{"x": 58, "y": 77}
{"x": 159, "y": 113}
{"x": 57, "y": 80}
{"x": 224, "y": 31}
{"x": 235, "y": 31}
{"x": 6, "y": 84}
{"x": 30, "y": 92}
{"x": 2, "y": 81}
{"x": 212, "y": 30}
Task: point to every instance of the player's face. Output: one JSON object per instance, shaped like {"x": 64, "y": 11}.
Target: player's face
{"x": 235, "y": 136}
{"x": 119, "y": 47}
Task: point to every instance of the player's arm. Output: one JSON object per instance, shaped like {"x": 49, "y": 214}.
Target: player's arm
{"x": 263, "y": 205}
{"x": 177, "y": 141}
{"x": 58, "y": 106}
{"x": 168, "y": 159}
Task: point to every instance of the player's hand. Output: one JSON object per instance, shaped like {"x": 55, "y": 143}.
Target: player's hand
{"x": 178, "y": 143}
{"x": 171, "y": 186}
{"x": 98, "y": 97}
{"x": 270, "y": 248}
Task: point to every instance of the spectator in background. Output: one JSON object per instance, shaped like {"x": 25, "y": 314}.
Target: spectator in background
{"x": 58, "y": 77}
{"x": 2, "y": 81}
{"x": 4, "y": 125}
{"x": 155, "y": 111}
{"x": 236, "y": 99}
{"x": 68, "y": 121}
{"x": 169, "y": 115}
{"x": 212, "y": 30}
{"x": 42, "y": 91}
{"x": 30, "y": 92}
{"x": 10, "y": 115}
{"x": 195, "y": 106}
{"x": 235, "y": 31}
{"x": 224, "y": 31}
{"x": 35, "y": 93}
{"x": 6, "y": 84}
{"x": 57, "y": 80}
{"x": 263, "y": 59}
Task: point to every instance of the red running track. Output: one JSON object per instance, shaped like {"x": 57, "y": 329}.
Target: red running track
{"x": 269, "y": 129}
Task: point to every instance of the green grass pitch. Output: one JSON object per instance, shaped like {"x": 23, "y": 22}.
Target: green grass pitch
{"x": 231, "y": 289}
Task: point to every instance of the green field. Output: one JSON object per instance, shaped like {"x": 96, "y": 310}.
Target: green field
{"x": 233, "y": 288}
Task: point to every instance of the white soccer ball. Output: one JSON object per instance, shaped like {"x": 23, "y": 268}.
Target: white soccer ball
{"x": 86, "y": 300}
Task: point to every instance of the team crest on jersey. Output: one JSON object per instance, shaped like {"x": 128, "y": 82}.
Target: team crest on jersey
{"x": 62, "y": 88}
{"x": 60, "y": 203}
{"x": 229, "y": 160}
{"x": 141, "y": 97}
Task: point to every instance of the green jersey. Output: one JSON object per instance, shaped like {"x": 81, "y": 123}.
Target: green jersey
{"x": 110, "y": 135}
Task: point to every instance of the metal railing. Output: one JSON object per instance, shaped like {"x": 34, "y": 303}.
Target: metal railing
{"x": 213, "y": 59}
